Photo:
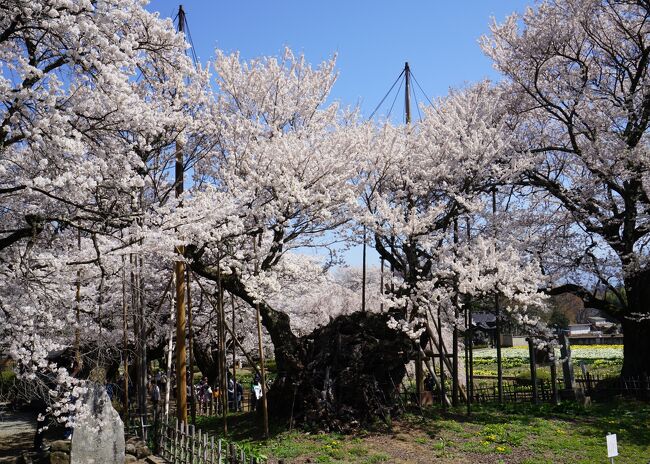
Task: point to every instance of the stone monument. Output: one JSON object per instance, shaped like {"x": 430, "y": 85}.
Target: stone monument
{"x": 98, "y": 436}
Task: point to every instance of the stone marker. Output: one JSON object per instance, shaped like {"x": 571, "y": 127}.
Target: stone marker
{"x": 98, "y": 437}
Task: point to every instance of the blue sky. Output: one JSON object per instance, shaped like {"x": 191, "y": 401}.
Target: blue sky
{"x": 372, "y": 40}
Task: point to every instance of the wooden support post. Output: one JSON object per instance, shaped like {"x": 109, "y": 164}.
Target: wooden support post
{"x": 181, "y": 354}
{"x": 454, "y": 368}
{"x": 234, "y": 351}
{"x": 170, "y": 347}
{"x": 467, "y": 378}
{"x": 419, "y": 377}
{"x": 232, "y": 334}
{"x": 431, "y": 368}
{"x": 125, "y": 342}
{"x": 567, "y": 362}
{"x": 179, "y": 269}
{"x": 554, "y": 379}
{"x": 470, "y": 383}
{"x": 381, "y": 284}
{"x": 222, "y": 351}
{"x": 441, "y": 350}
{"x": 265, "y": 409}
{"x": 497, "y": 311}
{"x": 433, "y": 338}
{"x": 533, "y": 368}
{"x": 363, "y": 274}
{"x": 77, "y": 329}
{"x": 190, "y": 342}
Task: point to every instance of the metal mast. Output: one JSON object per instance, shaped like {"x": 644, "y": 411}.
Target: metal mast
{"x": 407, "y": 92}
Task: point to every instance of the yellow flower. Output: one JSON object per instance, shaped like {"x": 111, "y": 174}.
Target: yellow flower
{"x": 500, "y": 449}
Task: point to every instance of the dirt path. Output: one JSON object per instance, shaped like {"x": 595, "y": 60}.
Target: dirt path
{"x": 16, "y": 435}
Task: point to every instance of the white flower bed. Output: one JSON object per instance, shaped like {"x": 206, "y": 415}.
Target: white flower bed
{"x": 612, "y": 352}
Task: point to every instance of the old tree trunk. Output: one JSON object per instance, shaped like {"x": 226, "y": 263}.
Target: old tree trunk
{"x": 636, "y": 326}
{"x": 340, "y": 376}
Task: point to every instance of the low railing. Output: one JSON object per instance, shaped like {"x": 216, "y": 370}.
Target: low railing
{"x": 181, "y": 443}
{"x": 518, "y": 391}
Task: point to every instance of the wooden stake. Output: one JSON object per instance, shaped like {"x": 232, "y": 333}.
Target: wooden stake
{"x": 125, "y": 343}
{"x": 363, "y": 274}
{"x": 261, "y": 351}
{"x": 470, "y": 360}
{"x": 190, "y": 342}
{"x": 77, "y": 330}
{"x": 441, "y": 351}
{"x": 249, "y": 358}
{"x": 234, "y": 349}
{"x": 497, "y": 312}
{"x": 454, "y": 368}
{"x": 381, "y": 285}
{"x": 222, "y": 349}
{"x": 170, "y": 347}
{"x": 142, "y": 345}
{"x": 533, "y": 368}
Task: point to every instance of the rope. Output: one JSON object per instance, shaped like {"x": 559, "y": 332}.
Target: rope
{"x": 395, "y": 99}
{"x": 195, "y": 58}
{"x": 387, "y": 93}
{"x": 417, "y": 104}
{"x": 421, "y": 90}
{"x": 401, "y": 78}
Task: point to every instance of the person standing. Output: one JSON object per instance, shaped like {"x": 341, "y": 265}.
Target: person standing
{"x": 155, "y": 399}
{"x": 256, "y": 393}
{"x": 239, "y": 390}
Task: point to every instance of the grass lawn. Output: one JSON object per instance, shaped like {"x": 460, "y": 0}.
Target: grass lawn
{"x": 514, "y": 434}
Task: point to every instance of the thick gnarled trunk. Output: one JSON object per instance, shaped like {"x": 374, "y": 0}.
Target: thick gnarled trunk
{"x": 353, "y": 367}
{"x": 636, "y": 326}
{"x": 342, "y": 375}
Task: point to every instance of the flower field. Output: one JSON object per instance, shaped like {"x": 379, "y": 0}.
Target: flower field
{"x": 578, "y": 352}
{"x": 600, "y": 359}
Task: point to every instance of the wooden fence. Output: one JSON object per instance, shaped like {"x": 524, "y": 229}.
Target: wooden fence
{"x": 181, "y": 443}
{"x": 516, "y": 391}
{"x": 597, "y": 386}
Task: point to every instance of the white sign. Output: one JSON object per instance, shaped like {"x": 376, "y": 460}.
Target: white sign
{"x": 612, "y": 447}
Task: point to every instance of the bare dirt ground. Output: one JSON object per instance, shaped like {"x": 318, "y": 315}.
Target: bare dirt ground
{"x": 16, "y": 435}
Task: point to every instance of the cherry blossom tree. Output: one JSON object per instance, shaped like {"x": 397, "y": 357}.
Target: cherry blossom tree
{"x": 576, "y": 72}
{"x": 93, "y": 93}
{"x": 423, "y": 178}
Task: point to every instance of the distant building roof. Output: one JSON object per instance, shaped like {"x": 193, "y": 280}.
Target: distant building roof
{"x": 486, "y": 321}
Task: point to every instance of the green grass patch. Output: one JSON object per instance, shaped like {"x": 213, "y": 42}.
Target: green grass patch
{"x": 513, "y": 433}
